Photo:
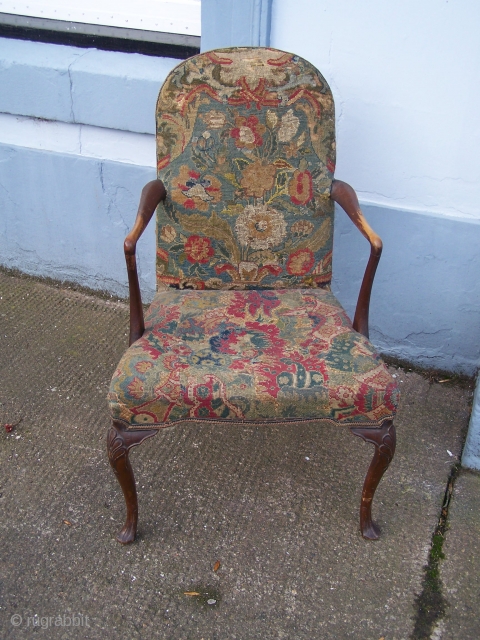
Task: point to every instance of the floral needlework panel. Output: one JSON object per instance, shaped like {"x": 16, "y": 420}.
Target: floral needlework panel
{"x": 246, "y": 149}
{"x": 258, "y": 356}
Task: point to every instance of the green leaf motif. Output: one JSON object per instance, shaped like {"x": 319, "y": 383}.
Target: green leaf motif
{"x": 231, "y": 178}
{"x": 241, "y": 163}
{"x": 233, "y": 209}
{"x": 319, "y": 238}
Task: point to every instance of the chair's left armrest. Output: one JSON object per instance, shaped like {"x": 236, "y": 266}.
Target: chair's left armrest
{"x": 152, "y": 194}
{"x": 345, "y": 196}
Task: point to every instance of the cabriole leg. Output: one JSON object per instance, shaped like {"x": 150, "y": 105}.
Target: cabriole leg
{"x": 119, "y": 441}
{"x": 384, "y": 439}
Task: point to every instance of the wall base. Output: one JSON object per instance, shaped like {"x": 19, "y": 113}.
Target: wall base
{"x": 66, "y": 216}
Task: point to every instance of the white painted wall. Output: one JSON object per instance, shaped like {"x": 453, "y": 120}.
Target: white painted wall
{"x": 406, "y": 82}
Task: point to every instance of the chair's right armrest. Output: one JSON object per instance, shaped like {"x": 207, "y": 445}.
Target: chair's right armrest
{"x": 345, "y": 196}
{"x": 152, "y": 194}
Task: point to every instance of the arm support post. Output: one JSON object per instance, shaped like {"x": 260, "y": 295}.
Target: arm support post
{"x": 345, "y": 196}
{"x": 152, "y": 194}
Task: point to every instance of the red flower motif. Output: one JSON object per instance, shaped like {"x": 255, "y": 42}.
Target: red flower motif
{"x": 260, "y": 95}
{"x": 248, "y": 132}
{"x": 266, "y": 338}
{"x": 262, "y": 300}
{"x": 198, "y": 249}
{"x": 256, "y": 301}
{"x": 162, "y": 255}
{"x": 300, "y": 262}
{"x": 300, "y": 187}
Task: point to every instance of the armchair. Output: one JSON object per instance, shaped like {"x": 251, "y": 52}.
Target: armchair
{"x": 243, "y": 328}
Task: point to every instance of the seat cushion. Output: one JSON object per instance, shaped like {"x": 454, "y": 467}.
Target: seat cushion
{"x": 258, "y": 356}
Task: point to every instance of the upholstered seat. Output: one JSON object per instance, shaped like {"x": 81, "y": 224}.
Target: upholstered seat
{"x": 244, "y": 328}
{"x": 250, "y": 356}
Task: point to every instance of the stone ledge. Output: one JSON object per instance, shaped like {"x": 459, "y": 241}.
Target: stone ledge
{"x": 84, "y": 86}
{"x": 82, "y": 140}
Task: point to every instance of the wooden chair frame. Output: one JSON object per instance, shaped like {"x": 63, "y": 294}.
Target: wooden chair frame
{"x": 120, "y": 440}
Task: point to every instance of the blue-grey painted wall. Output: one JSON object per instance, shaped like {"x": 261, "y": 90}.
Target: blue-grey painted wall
{"x": 66, "y": 217}
{"x": 425, "y": 305}
{"x": 229, "y": 23}
{"x": 471, "y": 450}
{"x": 76, "y": 147}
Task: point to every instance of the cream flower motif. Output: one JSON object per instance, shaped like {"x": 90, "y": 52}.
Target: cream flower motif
{"x": 214, "y": 283}
{"x": 246, "y": 135}
{"x": 248, "y": 271}
{"x": 168, "y": 233}
{"x": 252, "y": 65}
{"x": 247, "y": 132}
{"x": 288, "y": 126}
{"x": 271, "y": 119}
{"x": 302, "y": 227}
{"x": 214, "y": 119}
{"x": 260, "y": 227}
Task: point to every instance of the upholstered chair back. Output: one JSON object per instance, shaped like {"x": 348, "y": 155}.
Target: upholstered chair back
{"x": 246, "y": 149}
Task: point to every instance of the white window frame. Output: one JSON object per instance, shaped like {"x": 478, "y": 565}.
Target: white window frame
{"x": 176, "y": 22}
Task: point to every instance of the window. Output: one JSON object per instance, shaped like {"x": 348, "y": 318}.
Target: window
{"x": 155, "y": 27}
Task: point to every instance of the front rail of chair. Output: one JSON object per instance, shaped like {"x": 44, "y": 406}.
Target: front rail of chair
{"x": 152, "y": 194}
{"x": 345, "y": 196}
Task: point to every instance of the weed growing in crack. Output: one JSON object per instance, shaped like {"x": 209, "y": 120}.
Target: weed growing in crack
{"x": 431, "y": 604}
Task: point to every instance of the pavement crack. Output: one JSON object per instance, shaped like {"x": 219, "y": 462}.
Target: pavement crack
{"x": 431, "y": 604}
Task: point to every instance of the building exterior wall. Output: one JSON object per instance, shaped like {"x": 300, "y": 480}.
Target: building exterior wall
{"x": 406, "y": 84}
{"x": 68, "y": 215}
{"x": 405, "y": 80}
{"x": 77, "y": 145}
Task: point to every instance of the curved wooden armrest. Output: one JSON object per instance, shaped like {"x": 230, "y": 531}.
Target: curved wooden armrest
{"x": 347, "y": 198}
{"x": 152, "y": 194}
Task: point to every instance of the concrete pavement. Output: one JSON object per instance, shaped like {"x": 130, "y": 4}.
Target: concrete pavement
{"x": 276, "y": 507}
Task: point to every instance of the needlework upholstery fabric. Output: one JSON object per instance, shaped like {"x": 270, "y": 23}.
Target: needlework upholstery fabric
{"x": 260, "y": 356}
{"x": 243, "y": 327}
{"x": 246, "y": 150}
